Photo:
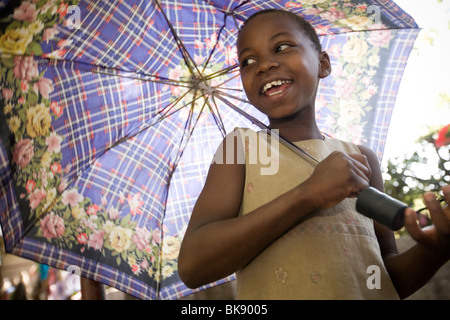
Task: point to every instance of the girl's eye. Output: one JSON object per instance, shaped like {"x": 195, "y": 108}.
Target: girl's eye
{"x": 281, "y": 47}
{"x": 247, "y": 61}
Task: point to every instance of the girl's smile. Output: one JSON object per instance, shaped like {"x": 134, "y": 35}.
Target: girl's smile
{"x": 276, "y": 93}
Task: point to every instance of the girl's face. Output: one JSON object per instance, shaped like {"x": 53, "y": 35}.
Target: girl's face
{"x": 280, "y": 69}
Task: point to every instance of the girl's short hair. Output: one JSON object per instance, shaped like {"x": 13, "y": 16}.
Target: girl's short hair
{"x": 303, "y": 25}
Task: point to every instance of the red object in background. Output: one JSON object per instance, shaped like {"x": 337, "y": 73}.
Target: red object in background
{"x": 443, "y": 138}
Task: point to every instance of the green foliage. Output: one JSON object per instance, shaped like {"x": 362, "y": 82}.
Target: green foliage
{"x": 427, "y": 169}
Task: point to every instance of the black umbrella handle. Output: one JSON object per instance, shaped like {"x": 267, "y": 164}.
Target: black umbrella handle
{"x": 381, "y": 208}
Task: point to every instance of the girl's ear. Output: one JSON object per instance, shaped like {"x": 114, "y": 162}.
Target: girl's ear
{"x": 325, "y": 65}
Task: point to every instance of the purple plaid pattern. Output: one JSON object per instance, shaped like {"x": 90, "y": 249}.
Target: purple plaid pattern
{"x": 126, "y": 144}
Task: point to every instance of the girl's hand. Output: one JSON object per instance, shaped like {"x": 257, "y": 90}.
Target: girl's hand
{"x": 436, "y": 236}
{"x": 337, "y": 177}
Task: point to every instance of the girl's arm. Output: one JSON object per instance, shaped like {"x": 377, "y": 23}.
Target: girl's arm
{"x": 218, "y": 242}
{"x": 411, "y": 269}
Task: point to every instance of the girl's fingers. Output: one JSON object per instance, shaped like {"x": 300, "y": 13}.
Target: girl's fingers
{"x": 412, "y": 225}
{"x": 439, "y": 215}
{"x": 361, "y": 166}
{"x": 440, "y": 231}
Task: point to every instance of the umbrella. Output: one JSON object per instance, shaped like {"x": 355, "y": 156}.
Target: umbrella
{"x": 112, "y": 111}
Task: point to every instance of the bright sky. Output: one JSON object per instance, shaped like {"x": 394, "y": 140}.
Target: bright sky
{"x": 426, "y": 76}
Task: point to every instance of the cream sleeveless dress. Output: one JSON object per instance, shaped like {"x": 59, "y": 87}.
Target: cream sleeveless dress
{"x": 331, "y": 254}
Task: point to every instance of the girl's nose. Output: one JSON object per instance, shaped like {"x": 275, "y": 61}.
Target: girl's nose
{"x": 267, "y": 63}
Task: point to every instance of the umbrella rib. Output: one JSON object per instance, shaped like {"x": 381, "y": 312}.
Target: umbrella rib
{"x": 217, "y": 117}
{"x": 235, "y": 21}
{"x": 188, "y": 130}
{"x": 118, "y": 72}
{"x": 228, "y": 80}
{"x": 230, "y": 89}
{"x": 226, "y": 14}
{"x": 364, "y": 30}
{"x": 221, "y": 72}
{"x": 189, "y": 120}
{"x": 170, "y": 106}
{"x": 163, "y": 116}
{"x": 175, "y": 102}
{"x": 261, "y": 125}
{"x": 184, "y": 52}
{"x": 237, "y": 7}
{"x": 167, "y": 81}
{"x": 191, "y": 111}
{"x": 216, "y": 44}
{"x": 221, "y": 93}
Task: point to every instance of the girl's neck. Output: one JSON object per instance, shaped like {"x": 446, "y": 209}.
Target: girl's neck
{"x": 296, "y": 130}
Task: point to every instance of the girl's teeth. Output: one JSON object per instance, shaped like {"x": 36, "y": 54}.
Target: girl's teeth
{"x": 269, "y": 85}
{"x": 274, "y": 93}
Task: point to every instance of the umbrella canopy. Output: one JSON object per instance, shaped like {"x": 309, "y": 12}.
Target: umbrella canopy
{"x": 112, "y": 111}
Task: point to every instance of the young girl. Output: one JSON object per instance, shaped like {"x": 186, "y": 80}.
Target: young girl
{"x": 295, "y": 234}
